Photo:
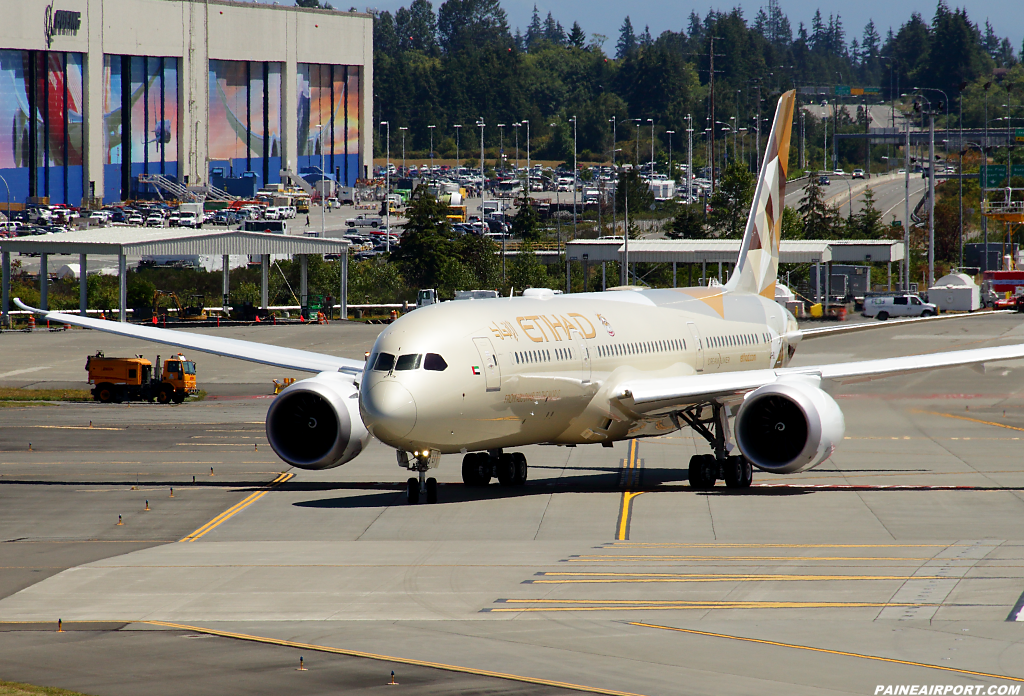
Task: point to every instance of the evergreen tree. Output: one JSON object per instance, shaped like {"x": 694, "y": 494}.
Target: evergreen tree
{"x": 820, "y": 219}
{"x": 731, "y": 200}
{"x": 991, "y": 41}
{"x": 867, "y": 222}
{"x": 645, "y": 39}
{"x": 534, "y": 32}
{"x": 688, "y": 223}
{"x": 553, "y": 31}
{"x": 427, "y": 241}
{"x": 695, "y": 29}
{"x": 627, "y": 39}
{"x": 577, "y": 38}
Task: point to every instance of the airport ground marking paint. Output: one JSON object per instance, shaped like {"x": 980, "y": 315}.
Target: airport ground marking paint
{"x": 391, "y": 658}
{"x": 596, "y": 606}
{"x": 972, "y": 420}
{"x": 236, "y": 508}
{"x": 810, "y": 648}
{"x": 630, "y": 476}
{"x": 605, "y": 578}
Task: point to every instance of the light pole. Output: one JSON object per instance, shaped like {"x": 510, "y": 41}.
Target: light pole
{"x": 501, "y": 147}
{"x": 387, "y": 187}
{"x": 575, "y": 179}
{"x": 458, "y": 129}
{"x": 516, "y": 126}
{"x": 689, "y": 159}
{"x": 931, "y": 192}
{"x": 651, "y": 121}
{"x": 671, "y": 172}
{"x": 431, "y": 151}
{"x": 527, "y": 122}
{"x": 481, "y": 124}
{"x": 615, "y": 171}
{"x": 405, "y": 172}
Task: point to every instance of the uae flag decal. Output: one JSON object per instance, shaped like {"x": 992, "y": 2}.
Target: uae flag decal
{"x": 476, "y": 369}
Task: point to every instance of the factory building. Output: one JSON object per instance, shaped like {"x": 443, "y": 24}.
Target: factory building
{"x": 95, "y": 93}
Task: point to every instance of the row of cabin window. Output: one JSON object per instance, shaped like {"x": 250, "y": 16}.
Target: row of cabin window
{"x": 737, "y": 340}
{"x": 385, "y": 362}
{"x": 664, "y": 346}
{"x": 528, "y": 357}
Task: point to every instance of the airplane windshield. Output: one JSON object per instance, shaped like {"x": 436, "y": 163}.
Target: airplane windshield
{"x": 385, "y": 361}
{"x": 408, "y": 362}
{"x": 433, "y": 361}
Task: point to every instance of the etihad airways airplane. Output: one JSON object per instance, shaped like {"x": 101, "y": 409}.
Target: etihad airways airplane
{"x": 485, "y": 377}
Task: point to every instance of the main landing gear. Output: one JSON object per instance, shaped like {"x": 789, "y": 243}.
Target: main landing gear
{"x": 706, "y": 469}
{"x": 479, "y": 467}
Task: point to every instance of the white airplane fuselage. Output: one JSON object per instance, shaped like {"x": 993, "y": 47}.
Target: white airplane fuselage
{"x": 529, "y": 370}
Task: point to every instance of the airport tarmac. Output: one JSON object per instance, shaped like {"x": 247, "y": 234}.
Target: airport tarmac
{"x": 900, "y": 560}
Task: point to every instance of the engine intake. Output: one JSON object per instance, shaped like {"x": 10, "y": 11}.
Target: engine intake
{"x": 788, "y": 426}
{"x": 315, "y": 423}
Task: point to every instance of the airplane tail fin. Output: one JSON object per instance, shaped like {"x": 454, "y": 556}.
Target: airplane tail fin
{"x": 758, "y": 263}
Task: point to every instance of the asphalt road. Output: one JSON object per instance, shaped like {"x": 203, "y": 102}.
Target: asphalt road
{"x": 900, "y": 560}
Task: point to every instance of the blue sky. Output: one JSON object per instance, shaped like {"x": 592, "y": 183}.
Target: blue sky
{"x": 605, "y": 16}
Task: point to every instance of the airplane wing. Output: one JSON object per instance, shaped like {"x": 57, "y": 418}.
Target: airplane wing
{"x": 865, "y": 326}
{"x": 277, "y": 356}
{"x": 654, "y": 394}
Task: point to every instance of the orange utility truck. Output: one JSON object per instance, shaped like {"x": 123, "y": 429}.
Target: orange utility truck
{"x": 133, "y": 379}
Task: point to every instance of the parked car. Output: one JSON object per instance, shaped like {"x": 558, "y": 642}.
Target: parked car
{"x": 155, "y": 220}
{"x": 135, "y": 219}
{"x": 898, "y": 306}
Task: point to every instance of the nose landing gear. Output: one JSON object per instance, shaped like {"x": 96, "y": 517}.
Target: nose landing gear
{"x": 478, "y": 468}
{"x": 415, "y": 487}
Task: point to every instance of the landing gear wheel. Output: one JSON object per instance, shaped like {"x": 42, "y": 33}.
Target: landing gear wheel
{"x": 882, "y": 316}
{"x": 507, "y": 470}
{"x": 738, "y": 472}
{"x": 519, "y": 459}
{"x": 703, "y": 472}
{"x": 164, "y": 396}
{"x": 431, "y": 491}
{"x": 104, "y": 393}
{"x": 413, "y": 491}
{"x": 179, "y": 397}
{"x": 476, "y": 469}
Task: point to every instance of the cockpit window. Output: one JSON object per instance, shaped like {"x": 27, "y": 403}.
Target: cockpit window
{"x": 433, "y": 361}
{"x": 408, "y": 362}
{"x": 385, "y": 361}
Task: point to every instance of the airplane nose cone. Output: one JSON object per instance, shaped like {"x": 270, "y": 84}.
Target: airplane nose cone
{"x": 389, "y": 411}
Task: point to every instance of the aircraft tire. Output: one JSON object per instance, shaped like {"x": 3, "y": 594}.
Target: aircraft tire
{"x": 702, "y": 472}
{"x": 412, "y": 490}
{"x": 507, "y": 470}
{"x": 476, "y": 469}
{"x": 431, "y": 491}
{"x": 522, "y": 470}
{"x": 738, "y": 472}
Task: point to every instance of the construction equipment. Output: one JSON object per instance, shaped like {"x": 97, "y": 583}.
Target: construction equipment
{"x": 194, "y": 311}
{"x": 133, "y": 379}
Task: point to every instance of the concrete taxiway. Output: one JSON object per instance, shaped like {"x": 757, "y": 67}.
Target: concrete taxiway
{"x": 899, "y": 560}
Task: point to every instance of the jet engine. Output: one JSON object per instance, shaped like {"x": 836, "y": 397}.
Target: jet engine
{"x": 788, "y": 426}
{"x": 315, "y": 423}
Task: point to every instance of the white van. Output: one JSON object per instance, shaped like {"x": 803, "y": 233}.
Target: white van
{"x": 898, "y": 306}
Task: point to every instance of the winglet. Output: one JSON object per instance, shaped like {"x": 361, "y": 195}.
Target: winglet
{"x": 34, "y": 310}
{"x": 758, "y": 264}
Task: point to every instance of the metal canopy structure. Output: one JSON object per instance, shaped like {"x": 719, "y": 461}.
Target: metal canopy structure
{"x": 124, "y": 241}
{"x": 727, "y": 250}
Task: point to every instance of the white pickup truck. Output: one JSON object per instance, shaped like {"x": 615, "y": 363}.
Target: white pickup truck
{"x": 365, "y": 221}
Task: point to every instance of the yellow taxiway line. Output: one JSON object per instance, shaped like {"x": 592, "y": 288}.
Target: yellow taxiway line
{"x": 972, "y": 420}
{"x": 591, "y": 578}
{"x": 391, "y": 658}
{"x": 630, "y": 464}
{"x": 235, "y": 509}
{"x": 626, "y": 605}
{"x": 826, "y": 651}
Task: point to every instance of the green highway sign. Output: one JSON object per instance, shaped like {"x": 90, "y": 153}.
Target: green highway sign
{"x": 1019, "y": 132}
{"x": 994, "y": 175}
{"x": 842, "y": 90}
{"x": 872, "y": 90}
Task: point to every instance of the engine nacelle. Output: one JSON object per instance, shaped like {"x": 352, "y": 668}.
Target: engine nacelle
{"x": 788, "y": 426}
{"x": 315, "y": 423}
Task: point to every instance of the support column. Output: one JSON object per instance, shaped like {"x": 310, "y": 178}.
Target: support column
{"x": 83, "y": 286}
{"x": 5, "y": 320}
{"x": 92, "y": 93}
{"x": 817, "y": 283}
{"x": 264, "y": 277}
{"x": 888, "y": 273}
{"x": 343, "y": 294}
{"x": 704, "y": 271}
{"x": 122, "y": 281}
{"x": 44, "y": 284}
{"x": 719, "y": 271}
{"x": 675, "y": 270}
{"x": 303, "y": 289}
{"x": 289, "y": 101}
{"x": 225, "y": 283}
{"x": 604, "y": 276}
